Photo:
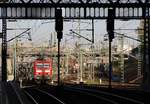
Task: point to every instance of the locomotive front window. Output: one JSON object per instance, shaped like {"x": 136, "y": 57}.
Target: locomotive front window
{"x": 44, "y": 65}
{"x": 39, "y": 65}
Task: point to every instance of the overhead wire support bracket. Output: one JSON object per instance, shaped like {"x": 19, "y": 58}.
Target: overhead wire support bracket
{"x": 18, "y": 35}
{"x": 81, "y": 35}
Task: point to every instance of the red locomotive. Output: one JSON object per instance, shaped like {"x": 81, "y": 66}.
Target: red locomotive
{"x": 42, "y": 70}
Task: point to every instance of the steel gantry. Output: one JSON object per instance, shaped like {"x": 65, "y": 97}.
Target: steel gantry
{"x": 73, "y": 9}
{"x": 77, "y": 9}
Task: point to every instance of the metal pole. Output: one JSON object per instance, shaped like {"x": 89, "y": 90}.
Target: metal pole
{"x": 146, "y": 71}
{"x": 110, "y": 64}
{"x": 110, "y": 29}
{"x": 14, "y": 56}
{"x": 81, "y": 67}
{"x": 93, "y": 50}
{"x": 14, "y": 61}
{"x": 144, "y": 56}
{"x": 92, "y": 30}
{"x": 122, "y": 58}
{"x": 58, "y": 62}
{"x": 79, "y": 71}
{"x": 59, "y": 29}
{"x": 92, "y": 62}
{"x": 4, "y": 50}
{"x": 139, "y": 60}
{"x": 67, "y": 63}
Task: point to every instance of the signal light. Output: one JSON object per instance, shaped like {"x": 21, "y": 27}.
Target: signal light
{"x": 59, "y": 23}
{"x": 58, "y": 20}
{"x": 110, "y": 24}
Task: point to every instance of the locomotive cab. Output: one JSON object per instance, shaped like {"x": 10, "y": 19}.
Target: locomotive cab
{"x": 42, "y": 70}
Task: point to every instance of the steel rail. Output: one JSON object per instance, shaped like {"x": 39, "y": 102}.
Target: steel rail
{"x": 19, "y": 98}
{"x": 29, "y": 95}
{"x": 43, "y": 92}
{"x": 107, "y": 93}
{"x": 90, "y": 94}
{"x": 50, "y": 95}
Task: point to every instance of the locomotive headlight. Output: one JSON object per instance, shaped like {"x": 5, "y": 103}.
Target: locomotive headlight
{"x": 38, "y": 71}
{"x": 47, "y": 71}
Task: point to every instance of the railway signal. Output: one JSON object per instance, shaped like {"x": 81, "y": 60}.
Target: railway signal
{"x": 59, "y": 23}
{"x": 110, "y": 24}
{"x": 59, "y": 29}
{"x": 110, "y": 30}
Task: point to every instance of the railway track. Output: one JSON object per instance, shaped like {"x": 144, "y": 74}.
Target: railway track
{"x": 75, "y": 97}
{"x": 81, "y": 95}
{"x": 38, "y": 96}
{"x": 12, "y": 94}
{"x": 96, "y": 99}
{"x": 113, "y": 98}
{"x": 130, "y": 93}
